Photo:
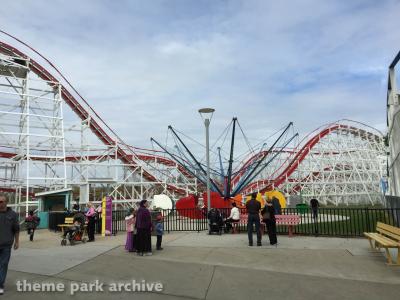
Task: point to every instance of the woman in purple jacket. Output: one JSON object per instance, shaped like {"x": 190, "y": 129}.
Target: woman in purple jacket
{"x": 144, "y": 228}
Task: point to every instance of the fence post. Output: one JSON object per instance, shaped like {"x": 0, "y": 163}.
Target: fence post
{"x": 169, "y": 212}
{"x": 368, "y": 222}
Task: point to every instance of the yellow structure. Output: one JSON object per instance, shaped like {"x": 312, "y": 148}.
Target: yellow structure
{"x": 103, "y": 217}
{"x": 277, "y": 194}
{"x": 259, "y": 198}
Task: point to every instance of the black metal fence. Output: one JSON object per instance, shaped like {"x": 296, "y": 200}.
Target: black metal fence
{"x": 337, "y": 222}
{"x": 118, "y": 221}
{"x": 340, "y": 222}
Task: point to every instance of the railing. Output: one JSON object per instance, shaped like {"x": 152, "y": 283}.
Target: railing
{"x": 337, "y": 222}
{"x": 340, "y": 222}
{"x": 118, "y": 221}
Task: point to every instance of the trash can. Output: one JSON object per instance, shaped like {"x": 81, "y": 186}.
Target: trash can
{"x": 302, "y": 208}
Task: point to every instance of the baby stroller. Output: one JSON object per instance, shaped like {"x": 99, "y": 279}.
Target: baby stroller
{"x": 215, "y": 221}
{"x": 76, "y": 232}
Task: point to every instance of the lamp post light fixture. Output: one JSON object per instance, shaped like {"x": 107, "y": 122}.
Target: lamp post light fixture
{"x": 206, "y": 114}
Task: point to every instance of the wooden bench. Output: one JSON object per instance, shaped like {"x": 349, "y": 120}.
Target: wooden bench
{"x": 68, "y": 221}
{"x": 387, "y": 236}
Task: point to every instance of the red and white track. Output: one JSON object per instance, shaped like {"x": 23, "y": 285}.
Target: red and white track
{"x": 277, "y": 178}
{"x": 300, "y": 153}
{"x": 108, "y": 139}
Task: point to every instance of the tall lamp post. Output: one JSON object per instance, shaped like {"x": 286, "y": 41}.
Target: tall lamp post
{"x": 206, "y": 114}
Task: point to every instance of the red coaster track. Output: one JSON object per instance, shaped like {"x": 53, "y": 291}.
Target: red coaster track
{"x": 84, "y": 114}
{"x": 127, "y": 155}
{"x": 300, "y": 154}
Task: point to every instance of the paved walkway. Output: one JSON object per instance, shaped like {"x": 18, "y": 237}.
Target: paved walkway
{"x": 199, "y": 266}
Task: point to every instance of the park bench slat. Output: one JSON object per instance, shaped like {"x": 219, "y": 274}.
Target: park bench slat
{"x": 387, "y": 236}
{"x": 287, "y": 219}
{"x": 68, "y": 221}
{"x": 384, "y": 241}
{"x": 391, "y": 231}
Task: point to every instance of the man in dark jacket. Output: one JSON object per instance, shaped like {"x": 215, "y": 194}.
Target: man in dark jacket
{"x": 253, "y": 211}
{"x": 9, "y": 235}
{"x": 314, "y": 207}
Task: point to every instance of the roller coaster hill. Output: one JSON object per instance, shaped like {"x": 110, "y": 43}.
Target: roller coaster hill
{"x": 54, "y": 143}
{"x": 341, "y": 162}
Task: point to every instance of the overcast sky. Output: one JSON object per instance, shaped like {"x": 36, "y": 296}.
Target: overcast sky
{"x": 143, "y": 65}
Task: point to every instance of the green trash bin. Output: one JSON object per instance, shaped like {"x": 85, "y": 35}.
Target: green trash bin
{"x": 302, "y": 208}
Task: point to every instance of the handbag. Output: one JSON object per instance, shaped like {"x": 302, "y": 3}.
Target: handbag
{"x": 266, "y": 215}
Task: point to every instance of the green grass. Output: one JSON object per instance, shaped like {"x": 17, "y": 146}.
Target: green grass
{"x": 359, "y": 220}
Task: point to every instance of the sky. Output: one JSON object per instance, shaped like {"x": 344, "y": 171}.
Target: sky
{"x": 144, "y": 65}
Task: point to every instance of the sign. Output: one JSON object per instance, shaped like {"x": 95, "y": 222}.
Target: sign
{"x": 103, "y": 217}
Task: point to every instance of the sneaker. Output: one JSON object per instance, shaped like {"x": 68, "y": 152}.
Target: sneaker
{"x": 250, "y": 245}
{"x": 160, "y": 248}
{"x": 1, "y": 291}
{"x": 149, "y": 254}
{"x": 259, "y": 244}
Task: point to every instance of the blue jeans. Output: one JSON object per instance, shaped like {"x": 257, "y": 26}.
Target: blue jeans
{"x": 5, "y": 254}
{"x": 315, "y": 213}
{"x": 253, "y": 219}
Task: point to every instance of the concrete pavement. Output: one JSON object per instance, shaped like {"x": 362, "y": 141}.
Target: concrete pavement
{"x": 199, "y": 266}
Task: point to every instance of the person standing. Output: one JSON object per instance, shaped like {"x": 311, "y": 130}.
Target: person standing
{"x": 144, "y": 228}
{"x": 276, "y": 205}
{"x": 31, "y": 222}
{"x": 160, "y": 231}
{"x": 234, "y": 217}
{"x": 91, "y": 216}
{"x": 75, "y": 207}
{"x": 99, "y": 210}
{"x": 268, "y": 215}
{"x": 314, "y": 208}
{"x": 130, "y": 221}
{"x": 9, "y": 235}
{"x": 253, "y": 211}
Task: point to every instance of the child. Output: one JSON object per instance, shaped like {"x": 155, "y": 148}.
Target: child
{"x": 130, "y": 221}
{"x": 32, "y": 222}
{"x": 160, "y": 231}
